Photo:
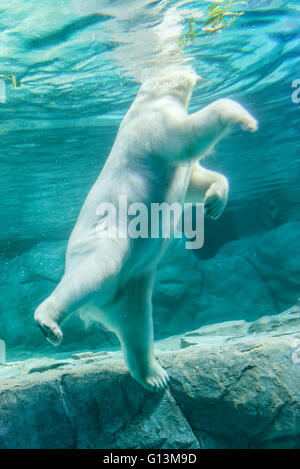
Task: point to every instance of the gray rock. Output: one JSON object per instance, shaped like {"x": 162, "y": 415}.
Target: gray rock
{"x": 189, "y": 292}
{"x": 234, "y": 385}
{"x": 277, "y": 259}
{"x": 83, "y": 355}
{"x": 187, "y": 341}
{"x": 261, "y": 270}
{"x": 287, "y": 322}
{"x": 89, "y": 406}
{"x": 242, "y": 395}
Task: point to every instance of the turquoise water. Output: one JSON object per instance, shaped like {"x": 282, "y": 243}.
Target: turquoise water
{"x": 69, "y": 74}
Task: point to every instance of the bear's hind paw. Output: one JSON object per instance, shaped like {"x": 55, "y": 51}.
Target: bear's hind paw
{"x": 51, "y": 331}
{"x": 156, "y": 380}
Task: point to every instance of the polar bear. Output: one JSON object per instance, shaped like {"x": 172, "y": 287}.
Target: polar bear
{"x": 154, "y": 159}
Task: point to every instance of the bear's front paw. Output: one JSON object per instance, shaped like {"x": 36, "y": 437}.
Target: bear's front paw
{"x": 216, "y": 199}
{"x": 250, "y": 124}
{"x": 233, "y": 113}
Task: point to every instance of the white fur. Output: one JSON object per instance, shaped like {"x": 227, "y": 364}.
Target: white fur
{"x": 154, "y": 159}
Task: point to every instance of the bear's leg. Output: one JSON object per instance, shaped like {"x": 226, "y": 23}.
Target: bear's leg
{"x": 204, "y": 128}
{"x": 134, "y": 327}
{"x": 47, "y": 317}
{"x": 208, "y": 187}
{"x": 75, "y": 288}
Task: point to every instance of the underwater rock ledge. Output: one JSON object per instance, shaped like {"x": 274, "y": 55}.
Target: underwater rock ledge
{"x": 233, "y": 385}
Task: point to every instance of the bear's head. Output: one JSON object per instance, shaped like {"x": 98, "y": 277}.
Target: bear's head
{"x": 177, "y": 83}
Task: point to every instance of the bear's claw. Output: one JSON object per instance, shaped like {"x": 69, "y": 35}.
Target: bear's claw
{"x": 157, "y": 380}
{"x": 52, "y": 332}
{"x": 214, "y": 206}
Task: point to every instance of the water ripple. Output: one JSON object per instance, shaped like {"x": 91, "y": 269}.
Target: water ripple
{"x": 80, "y": 63}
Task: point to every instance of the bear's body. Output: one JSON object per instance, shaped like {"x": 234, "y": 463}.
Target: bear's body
{"x": 154, "y": 159}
